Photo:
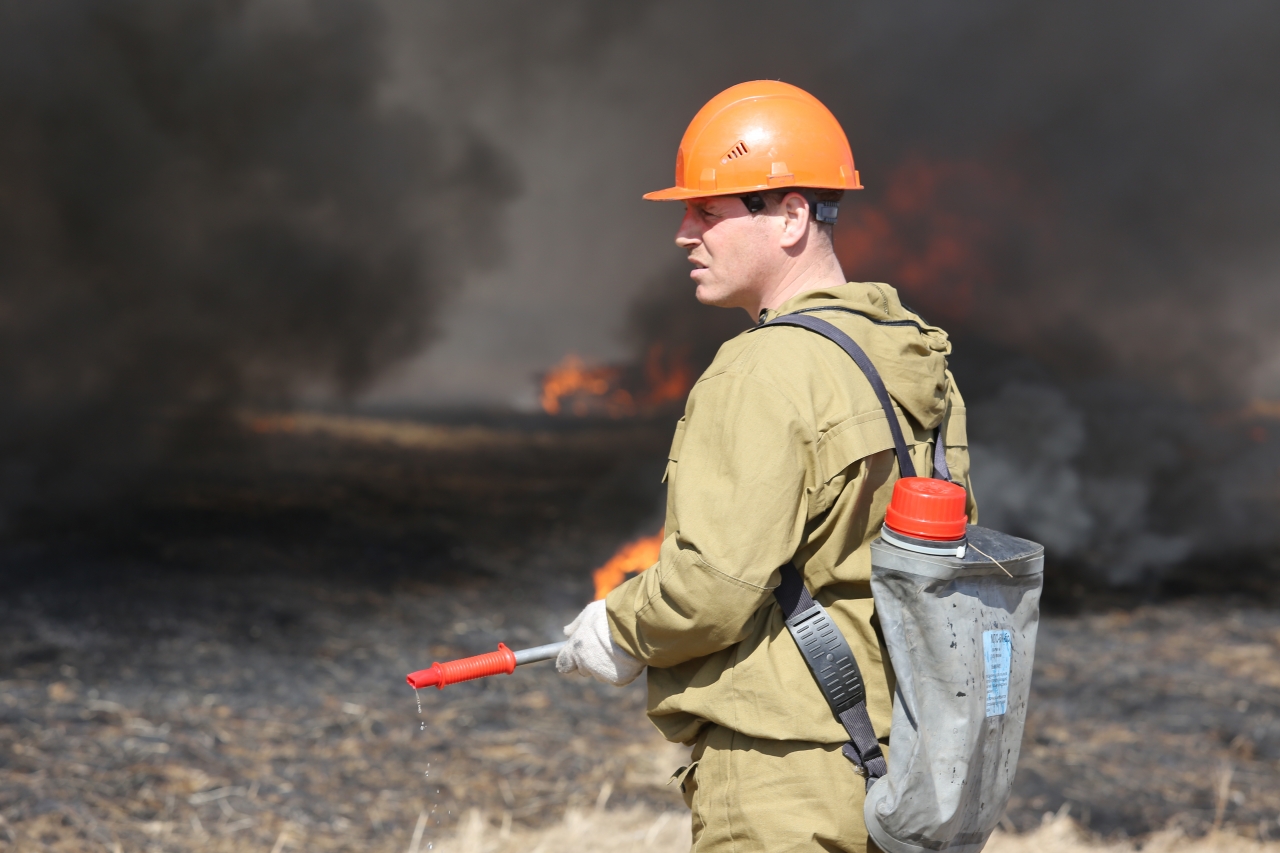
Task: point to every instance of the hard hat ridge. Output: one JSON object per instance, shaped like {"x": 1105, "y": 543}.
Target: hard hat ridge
{"x": 761, "y": 136}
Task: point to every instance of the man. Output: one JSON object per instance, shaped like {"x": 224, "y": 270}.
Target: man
{"x": 784, "y": 455}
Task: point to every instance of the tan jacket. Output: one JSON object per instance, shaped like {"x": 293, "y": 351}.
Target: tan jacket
{"x": 784, "y": 455}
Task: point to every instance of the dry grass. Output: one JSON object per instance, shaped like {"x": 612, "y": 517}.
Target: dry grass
{"x": 668, "y": 832}
{"x": 1061, "y": 834}
{"x": 614, "y": 831}
{"x": 634, "y": 830}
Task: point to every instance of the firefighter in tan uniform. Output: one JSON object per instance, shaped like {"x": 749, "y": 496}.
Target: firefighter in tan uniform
{"x": 784, "y": 455}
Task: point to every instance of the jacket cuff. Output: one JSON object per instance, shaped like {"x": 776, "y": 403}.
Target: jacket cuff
{"x": 619, "y": 606}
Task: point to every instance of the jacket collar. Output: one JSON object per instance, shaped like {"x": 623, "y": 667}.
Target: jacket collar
{"x": 877, "y": 301}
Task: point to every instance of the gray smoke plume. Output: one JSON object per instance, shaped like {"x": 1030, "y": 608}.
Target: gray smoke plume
{"x": 1029, "y": 480}
{"x": 221, "y": 202}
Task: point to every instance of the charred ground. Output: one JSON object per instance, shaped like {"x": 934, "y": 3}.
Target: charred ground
{"x": 220, "y": 659}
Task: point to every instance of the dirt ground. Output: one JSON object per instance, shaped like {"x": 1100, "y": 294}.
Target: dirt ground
{"x": 218, "y": 662}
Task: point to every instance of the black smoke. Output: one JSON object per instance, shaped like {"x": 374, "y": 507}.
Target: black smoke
{"x": 205, "y": 204}
{"x": 1134, "y": 150}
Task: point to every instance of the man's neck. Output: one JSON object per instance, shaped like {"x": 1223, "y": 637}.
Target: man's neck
{"x": 801, "y": 275}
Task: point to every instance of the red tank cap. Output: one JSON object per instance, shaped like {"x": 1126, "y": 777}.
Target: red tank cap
{"x": 927, "y": 509}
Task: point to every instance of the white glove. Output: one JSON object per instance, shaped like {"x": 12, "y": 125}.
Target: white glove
{"x": 592, "y": 651}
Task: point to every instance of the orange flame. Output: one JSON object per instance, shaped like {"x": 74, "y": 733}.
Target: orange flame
{"x": 939, "y": 232}
{"x": 573, "y": 386}
{"x": 572, "y": 378}
{"x": 667, "y": 382}
{"x": 630, "y": 559}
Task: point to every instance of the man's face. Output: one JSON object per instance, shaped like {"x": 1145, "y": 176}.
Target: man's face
{"x": 732, "y": 252}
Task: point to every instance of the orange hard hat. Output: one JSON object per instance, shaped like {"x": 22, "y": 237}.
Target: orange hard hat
{"x": 761, "y": 136}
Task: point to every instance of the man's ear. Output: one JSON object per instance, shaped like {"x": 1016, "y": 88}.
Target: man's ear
{"x": 795, "y": 219}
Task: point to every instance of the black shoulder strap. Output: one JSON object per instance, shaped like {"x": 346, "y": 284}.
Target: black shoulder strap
{"x": 940, "y": 469}
{"x": 855, "y": 352}
{"x": 834, "y": 667}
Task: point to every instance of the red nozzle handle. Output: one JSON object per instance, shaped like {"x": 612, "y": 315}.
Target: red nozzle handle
{"x": 465, "y": 669}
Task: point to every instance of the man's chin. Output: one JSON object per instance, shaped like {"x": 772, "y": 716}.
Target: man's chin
{"x": 720, "y": 299}
{"x": 708, "y": 295}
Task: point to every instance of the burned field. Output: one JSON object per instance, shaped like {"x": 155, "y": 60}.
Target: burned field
{"x": 218, "y": 663}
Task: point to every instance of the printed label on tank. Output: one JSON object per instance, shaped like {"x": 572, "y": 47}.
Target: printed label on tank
{"x": 997, "y": 649}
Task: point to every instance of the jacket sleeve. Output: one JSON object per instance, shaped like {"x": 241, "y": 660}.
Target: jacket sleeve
{"x": 738, "y": 500}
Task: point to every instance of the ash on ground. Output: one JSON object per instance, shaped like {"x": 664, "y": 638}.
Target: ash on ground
{"x": 218, "y": 663}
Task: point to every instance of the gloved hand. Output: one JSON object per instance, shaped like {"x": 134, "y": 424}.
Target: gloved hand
{"x": 592, "y": 651}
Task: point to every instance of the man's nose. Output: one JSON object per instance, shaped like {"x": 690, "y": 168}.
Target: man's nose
{"x": 687, "y": 234}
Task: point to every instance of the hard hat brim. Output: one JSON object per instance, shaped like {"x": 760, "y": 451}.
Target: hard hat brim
{"x": 683, "y": 193}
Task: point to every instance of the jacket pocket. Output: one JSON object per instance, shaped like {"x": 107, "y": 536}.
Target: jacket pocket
{"x": 856, "y": 438}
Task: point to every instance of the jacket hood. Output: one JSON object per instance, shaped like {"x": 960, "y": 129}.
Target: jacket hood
{"x": 910, "y": 354}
